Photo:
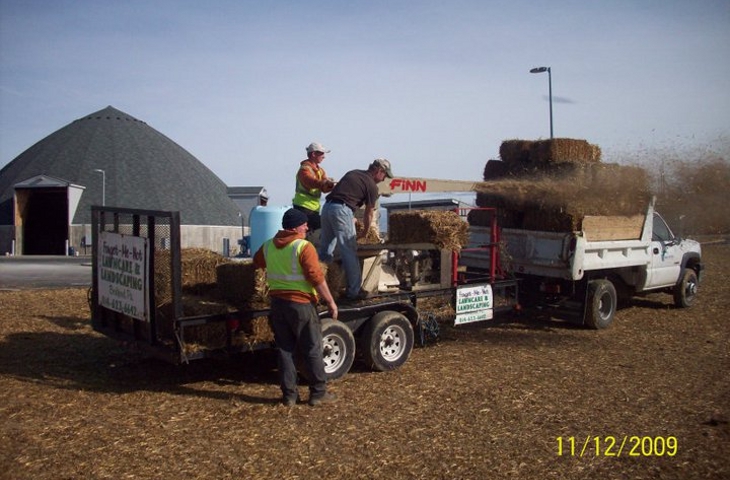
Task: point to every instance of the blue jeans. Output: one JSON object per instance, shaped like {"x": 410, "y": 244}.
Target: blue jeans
{"x": 297, "y": 327}
{"x": 338, "y": 229}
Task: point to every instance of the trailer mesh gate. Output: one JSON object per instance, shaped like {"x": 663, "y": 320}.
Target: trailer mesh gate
{"x": 161, "y": 230}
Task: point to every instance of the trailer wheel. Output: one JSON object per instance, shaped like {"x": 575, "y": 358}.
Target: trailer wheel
{"x": 600, "y": 304}
{"x": 338, "y": 348}
{"x": 686, "y": 289}
{"x": 386, "y": 341}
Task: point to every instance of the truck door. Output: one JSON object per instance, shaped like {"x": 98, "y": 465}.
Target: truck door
{"x": 666, "y": 257}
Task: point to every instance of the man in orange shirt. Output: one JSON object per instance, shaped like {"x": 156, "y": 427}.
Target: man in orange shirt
{"x": 296, "y": 282}
{"x": 311, "y": 183}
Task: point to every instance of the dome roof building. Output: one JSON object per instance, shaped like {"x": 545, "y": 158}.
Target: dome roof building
{"x": 105, "y": 158}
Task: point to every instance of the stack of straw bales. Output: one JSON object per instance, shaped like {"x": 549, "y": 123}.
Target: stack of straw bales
{"x": 546, "y": 157}
{"x": 213, "y": 284}
{"x": 551, "y": 185}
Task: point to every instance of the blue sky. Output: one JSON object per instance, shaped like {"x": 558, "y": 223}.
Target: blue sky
{"x": 433, "y": 86}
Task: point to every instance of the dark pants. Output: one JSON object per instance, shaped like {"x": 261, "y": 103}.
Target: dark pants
{"x": 314, "y": 221}
{"x": 297, "y": 327}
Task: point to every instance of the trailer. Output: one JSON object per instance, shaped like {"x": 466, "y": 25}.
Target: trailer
{"x": 138, "y": 299}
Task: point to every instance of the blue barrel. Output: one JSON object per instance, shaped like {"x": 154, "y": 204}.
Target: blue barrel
{"x": 264, "y": 222}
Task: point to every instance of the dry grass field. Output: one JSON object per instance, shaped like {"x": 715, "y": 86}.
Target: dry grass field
{"x": 483, "y": 402}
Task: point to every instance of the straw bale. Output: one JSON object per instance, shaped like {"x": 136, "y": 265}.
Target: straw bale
{"x": 372, "y": 236}
{"x": 558, "y": 156}
{"x": 261, "y": 298}
{"x": 211, "y": 336}
{"x": 552, "y": 219}
{"x": 214, "y": 335}
{"x": 198, "y": 271}
{"x": 515, "y": 152}
{"x": 257, "y": 330}
{"x": 544, "y": 153}
{"x": 335, "y": 276}
{"x": 242, "y": 284}
{"x": 506, "y": 217}
{"x": 495, "y": 169}
{"x": 444, "y": 229}
{"x": 198, "y": 266}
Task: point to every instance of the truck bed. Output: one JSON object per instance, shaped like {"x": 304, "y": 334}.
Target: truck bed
{"x": 566, "y": 255}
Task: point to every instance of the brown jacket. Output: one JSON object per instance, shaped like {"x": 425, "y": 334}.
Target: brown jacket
{"x": 311, "y": 175}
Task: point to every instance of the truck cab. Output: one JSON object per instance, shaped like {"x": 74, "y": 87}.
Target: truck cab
{"x": 675, "y": 263}
{"x": 669, "y": 255}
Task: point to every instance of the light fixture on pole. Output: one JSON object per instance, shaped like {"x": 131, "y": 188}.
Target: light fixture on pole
{"x": 550, "y": 92}
{"x": 103, "y": 186}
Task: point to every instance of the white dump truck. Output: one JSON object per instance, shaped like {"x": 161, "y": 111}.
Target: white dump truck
{"x": 584, "y": 275}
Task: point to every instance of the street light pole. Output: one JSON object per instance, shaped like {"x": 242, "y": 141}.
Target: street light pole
{"x": 103, "y": 186}
{"x": 550, "y": 92}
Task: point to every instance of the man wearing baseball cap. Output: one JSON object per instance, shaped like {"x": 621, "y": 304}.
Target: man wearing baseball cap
{"x": 296, "y": 282}
{"x": 311, "y": 183}
{"x": 355, "y": 189}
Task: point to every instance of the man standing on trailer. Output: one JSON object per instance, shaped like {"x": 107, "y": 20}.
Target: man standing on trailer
{"x": 296, "y": 282}
{"x": 311, "y": 183}
{"x": 355, "y": 189}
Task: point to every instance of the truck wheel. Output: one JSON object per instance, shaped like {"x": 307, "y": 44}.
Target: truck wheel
{"x": 338, "y": 347}
{"x": 686, "y": 290}
{"x": 600, "y": 304}
{"x": 386, "y": 341}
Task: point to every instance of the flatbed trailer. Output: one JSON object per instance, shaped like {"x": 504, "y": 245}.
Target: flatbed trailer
{"x": 137, "y": 297}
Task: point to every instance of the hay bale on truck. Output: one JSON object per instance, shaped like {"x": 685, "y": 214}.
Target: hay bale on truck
{"x": 581, "y": 233}
{"x": 555, "y": 183}
{"x": 544, "y": 157}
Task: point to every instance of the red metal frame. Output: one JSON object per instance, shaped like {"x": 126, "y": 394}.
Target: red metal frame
{"x": 495, "y": 267}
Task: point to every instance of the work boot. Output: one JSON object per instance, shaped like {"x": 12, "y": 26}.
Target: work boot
{"x": 326, "y": 398}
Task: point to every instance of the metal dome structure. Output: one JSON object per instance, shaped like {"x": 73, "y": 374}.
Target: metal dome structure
{"x": 104, "y": 158}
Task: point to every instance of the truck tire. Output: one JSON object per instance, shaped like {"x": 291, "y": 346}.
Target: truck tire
{"x": 601, "y": 304}
{"x": 386, "y": 341}
{"x": 338, "y": 348}
{"x": 686, "y": 289}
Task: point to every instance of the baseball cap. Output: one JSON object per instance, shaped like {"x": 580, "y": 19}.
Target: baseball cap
{"x": 293, "y": 218}
{"x": 385, "y": 165}
{"x": 317, "y": 147}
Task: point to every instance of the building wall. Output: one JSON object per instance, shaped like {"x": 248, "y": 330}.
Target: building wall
{"x": 192, "y": 236}
{"x": 210, "y": 237}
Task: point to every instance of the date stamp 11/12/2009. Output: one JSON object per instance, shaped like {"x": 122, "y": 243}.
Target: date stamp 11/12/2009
{"x": 617, "y": 446}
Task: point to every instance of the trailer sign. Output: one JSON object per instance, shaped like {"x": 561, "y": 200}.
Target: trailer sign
{"x": 121, "y": 273}
{"x": 474, "y": 304}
